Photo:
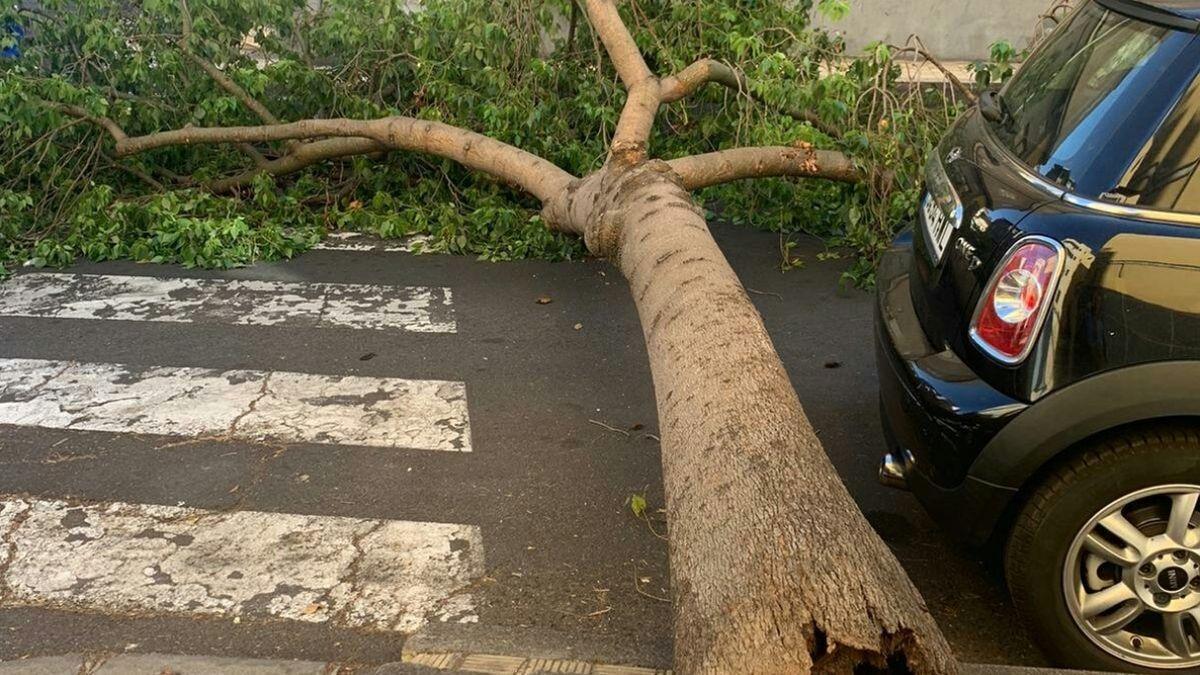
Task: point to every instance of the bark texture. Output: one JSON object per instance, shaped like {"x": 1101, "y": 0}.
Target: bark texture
{"x": 774, "y": 569}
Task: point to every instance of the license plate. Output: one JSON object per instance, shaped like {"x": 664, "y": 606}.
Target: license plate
{"x": 939, "y": 226}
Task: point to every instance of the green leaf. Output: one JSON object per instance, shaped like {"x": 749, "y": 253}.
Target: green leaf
{"x": 834, "y": 10}
{"x": 637, "y": 504}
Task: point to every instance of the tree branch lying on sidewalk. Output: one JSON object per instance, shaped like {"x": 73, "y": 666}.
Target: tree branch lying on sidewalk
{"x": 774, "y": 569}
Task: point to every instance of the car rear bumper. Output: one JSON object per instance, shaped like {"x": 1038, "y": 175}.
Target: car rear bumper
{"x": 937, "y": 414}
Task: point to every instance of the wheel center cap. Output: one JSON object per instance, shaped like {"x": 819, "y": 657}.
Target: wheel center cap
{"x": 1172, "y": 579}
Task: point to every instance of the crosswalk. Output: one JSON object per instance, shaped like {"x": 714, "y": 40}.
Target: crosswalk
{"x": 245, "y": 404}
{"x": 112, "y": 557}
{"x": 358, "y": 242}
{"x": 233, "y": 301}
{"x": 136, "y": 557}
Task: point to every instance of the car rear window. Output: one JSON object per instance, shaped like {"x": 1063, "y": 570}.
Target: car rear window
{"x": 1085, "y": 108}
{"x": 1164, "y": 174}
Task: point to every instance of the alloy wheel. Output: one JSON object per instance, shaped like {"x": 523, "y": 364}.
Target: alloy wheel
{"x": 1132, "y": 577}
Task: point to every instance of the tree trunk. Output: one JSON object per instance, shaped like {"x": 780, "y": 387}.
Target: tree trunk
{"x": 773, "y": 567}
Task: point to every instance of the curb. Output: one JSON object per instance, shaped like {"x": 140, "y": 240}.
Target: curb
{"x": 416, "y": 663}
{"x": 985, "y": 669}
{"x": 413, "y": 664}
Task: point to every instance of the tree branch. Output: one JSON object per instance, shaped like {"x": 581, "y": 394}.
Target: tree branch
{"x": 687, "y": 81}
{"x": 636, "y": 123}
{"x": 724, "y": 166}
{"x": 225, "y": 82}
{"x": 222, "y": 80}
{"x": 233, "y": 88}
{"x": 527, "y": 171}
{"x": 574, "y": 24}
{"x": 253, "y": 153}
{"x": 641, "y": 106}
{"x": 105, "y": 123}
{"x": 134, "y": 171}
{"x": 958, "y": 85}
{"x": 305, "y": 155}
{"x": 626, "y": 57}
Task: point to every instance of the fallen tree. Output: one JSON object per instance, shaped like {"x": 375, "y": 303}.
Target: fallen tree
{"x": 774, "y": 569}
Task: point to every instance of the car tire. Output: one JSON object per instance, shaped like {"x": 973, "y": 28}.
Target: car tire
{"x": 1067, "y": 500}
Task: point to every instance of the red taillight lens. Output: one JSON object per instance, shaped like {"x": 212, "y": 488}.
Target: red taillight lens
{"x": 1011, "y": 310}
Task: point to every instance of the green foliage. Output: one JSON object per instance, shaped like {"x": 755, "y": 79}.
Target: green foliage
{"x": 500, "y": 67}
{"x": 835, "y": 10}
{"x": 1001, "y": 64}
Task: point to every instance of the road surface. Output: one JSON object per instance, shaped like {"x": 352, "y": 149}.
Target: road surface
{"x": 360, "y": 451}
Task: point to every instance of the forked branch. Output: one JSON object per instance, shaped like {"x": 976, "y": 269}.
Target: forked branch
{"x": 302, "y": 156}
{"x": 687, "y": 81}
{"x": 295, "y": 158}
{"x": 326, "y": 139}
{"x": 522, "y": 169}
{"x": 917, "y": 47}
{"x": 641, "y": 106}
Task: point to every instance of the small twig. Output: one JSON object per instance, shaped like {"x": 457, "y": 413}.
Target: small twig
{"x": 573, "y": 26}
{"x": 134, "y": 171}
{"x": 920, "y": 50}
{"x": 653, "y": 531}
{"x": 610, "y": 428}
{"x": 638, "y": 586}
{"x": 757, "y": 292}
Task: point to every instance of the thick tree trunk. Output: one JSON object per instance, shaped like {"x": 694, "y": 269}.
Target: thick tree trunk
{"x": 774, "y": 569}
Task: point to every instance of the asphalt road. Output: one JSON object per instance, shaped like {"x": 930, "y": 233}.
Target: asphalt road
{"x": 561, "y": 435}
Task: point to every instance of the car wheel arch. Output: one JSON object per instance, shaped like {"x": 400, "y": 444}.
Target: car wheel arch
{"x": 1113, "y": 402}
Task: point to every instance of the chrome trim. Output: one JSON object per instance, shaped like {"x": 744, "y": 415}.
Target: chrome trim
{"x": 1034, "y": 177}
{"x": 1108, "y": 208}
{"x": 893, "y": 472}
{"x": 1043, "y": 312}
{"x": 1130, "y": 211}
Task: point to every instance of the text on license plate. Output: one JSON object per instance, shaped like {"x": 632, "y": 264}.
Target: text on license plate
{"x": 938, "y": 225}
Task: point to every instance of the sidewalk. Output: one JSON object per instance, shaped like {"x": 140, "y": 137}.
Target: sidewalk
{"x": 924, "y": 72}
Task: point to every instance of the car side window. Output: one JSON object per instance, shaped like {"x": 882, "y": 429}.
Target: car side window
{"x": 1164, "y": 176}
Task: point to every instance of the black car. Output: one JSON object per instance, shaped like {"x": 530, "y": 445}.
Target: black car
{"x": 1038, "y": 336}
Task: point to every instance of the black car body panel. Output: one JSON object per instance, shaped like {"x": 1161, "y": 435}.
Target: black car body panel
{"x": 934, "y": 402}
{"x": 973, "y": 447}
{"x": 1121, "y": 341}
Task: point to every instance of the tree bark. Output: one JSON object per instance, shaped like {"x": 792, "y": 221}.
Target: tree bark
{"x": 773, "y": 567}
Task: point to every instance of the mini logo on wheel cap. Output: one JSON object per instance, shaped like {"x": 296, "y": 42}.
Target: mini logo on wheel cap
{"x": 1172, "y": 579}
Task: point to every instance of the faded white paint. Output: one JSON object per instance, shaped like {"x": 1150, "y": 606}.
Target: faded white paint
{"x": 379, "y": 574}
{"x": 357, "y": 241}
{"x": 249, "y": 404}
{"x": 228, "y": 301}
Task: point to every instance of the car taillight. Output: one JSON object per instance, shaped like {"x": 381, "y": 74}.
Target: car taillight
{"x": 1016, "y": 300}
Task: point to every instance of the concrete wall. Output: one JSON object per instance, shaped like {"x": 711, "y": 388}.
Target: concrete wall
{"x": 952, "y": 29}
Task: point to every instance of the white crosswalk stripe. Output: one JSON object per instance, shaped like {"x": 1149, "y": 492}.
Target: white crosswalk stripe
{"x": 247, "y": 404}
{"x": 228, "y": 301}
{"x": 356, "y": 241}
{"x": 379, "y": 574}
